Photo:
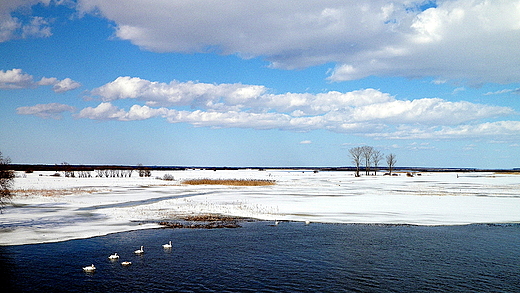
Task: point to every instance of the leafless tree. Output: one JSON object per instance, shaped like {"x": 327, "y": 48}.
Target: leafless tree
{"x": 377, "y": 156}
{"x": 6, "y": 179}
{"x": 390, "y": 161}
{"x": 356, "y": 155}
{"x": 367, "y": 152}
{"x": 67, "y": 170}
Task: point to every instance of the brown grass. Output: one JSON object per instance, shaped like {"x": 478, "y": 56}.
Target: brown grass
{"x": 233, "y": 182}
{"x": 52, "y": 192}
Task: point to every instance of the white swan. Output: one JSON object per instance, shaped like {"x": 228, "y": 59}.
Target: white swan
{"x": 113, "y": 256}
{"x": 89, "y": 269}
{"x": 169, "y": 245}
{"x": 126, "y": 263}
{"x": 139, "y": 251}
{"x": 307, "y": 222}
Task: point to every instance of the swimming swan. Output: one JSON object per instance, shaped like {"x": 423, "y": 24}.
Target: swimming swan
{"x": 126, "y": 263}
{"x": 89, "y": 269}
{"x": 169, "y": 245}
{"x": 113, "y": 256}
{"x": 139, "y": 251}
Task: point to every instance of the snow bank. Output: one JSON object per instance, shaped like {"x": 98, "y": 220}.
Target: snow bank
{"x": 87, "y": 207}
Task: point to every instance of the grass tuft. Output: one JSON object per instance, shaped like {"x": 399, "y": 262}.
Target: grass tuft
{"x": 233, "y": 182}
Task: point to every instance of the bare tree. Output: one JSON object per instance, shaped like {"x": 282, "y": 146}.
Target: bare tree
{"x": 6, "y": 179}
{"x": 356, "y": 155}
{"x": 143, "y": 171}
{"x": 377, "y": 156}
{"x": 390, "y": 161}
{"x": 67, "y": 170}
{"x": 367, "y": 152}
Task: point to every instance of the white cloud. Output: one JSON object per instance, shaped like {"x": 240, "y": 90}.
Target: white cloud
{"x": 210, "y": 96}
{"x": 104, "y": 111}
{"x": 34, "y": 26}
{"x": 363, "y": 112}
{"x": 37, "y": 27}
{"x": 428, "y": 111}
{"x": 305, "y": 142}
{"x": 15, "y": 79}
{"x": 504, "y": 129}
{"x": 52, "y": 110}
{"x": 48, "y": 81}
{"x": 471, "y": 40}
{"x": 234, "y": 97}
{"x": 107, "y": 111}
{"x": 65, "y": 85}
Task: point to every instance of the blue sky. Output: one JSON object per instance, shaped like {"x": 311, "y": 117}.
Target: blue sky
{"x": 260, "y": 83}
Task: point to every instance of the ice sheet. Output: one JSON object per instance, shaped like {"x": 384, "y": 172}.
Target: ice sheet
{"x": 87, "y": 207}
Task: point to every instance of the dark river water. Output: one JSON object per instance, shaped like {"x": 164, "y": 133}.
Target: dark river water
{"x": 290, "y": 257}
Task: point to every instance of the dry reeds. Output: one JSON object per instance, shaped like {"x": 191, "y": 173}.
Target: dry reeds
{"x": 233, "y": 182}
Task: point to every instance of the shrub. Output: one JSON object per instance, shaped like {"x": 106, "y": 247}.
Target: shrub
{"x": 168, "y": 177}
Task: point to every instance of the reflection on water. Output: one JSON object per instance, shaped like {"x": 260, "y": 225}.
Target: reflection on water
{"x": 290, "y": 257}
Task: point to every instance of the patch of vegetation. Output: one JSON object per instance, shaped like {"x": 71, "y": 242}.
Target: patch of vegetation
{"x": 508, "y": 172}
{"x": 168, "y": 177}
{"x": 208, "y": 221}
{"x": 233, "y": 182}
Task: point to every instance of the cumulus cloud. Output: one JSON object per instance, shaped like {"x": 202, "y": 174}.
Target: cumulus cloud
{"x": 473, "y": 40}
{"x": 52, "y": 110}
{"x": 364, "y": 111}
{"x": 65, "y": 85}
{"x": 107, "y": 111}
{"x": 177, "y": 93}
{"x": 17, "y": 79}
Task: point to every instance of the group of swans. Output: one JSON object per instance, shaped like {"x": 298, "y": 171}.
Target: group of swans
{"x": 115, "y": 256}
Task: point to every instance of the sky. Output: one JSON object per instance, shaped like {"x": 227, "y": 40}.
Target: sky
{"x": 260, "y": 83}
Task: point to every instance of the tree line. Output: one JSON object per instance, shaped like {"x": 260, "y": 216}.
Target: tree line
{"x": 368, "y": 157}
{"x": 71, "y": 171}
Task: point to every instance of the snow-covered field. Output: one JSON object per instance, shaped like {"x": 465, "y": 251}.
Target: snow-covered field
{"x": 87, "y": 207}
